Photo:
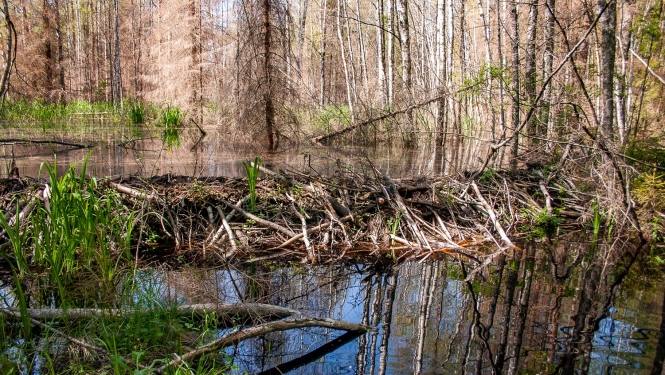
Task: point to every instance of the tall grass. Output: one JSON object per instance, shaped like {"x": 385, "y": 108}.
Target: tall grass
{"x": 76, "y": 228}
{"x": 171, "y": 120}
{"x": 137, "y": 113}
{"x": 80, "y": 228}
{"x": 45, "y": 113}
{"x": 40, "y": 111}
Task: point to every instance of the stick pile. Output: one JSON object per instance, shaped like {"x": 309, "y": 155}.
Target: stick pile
{"x": 312, "y": 218}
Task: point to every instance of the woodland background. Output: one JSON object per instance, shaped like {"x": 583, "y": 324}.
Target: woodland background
{"x": 489, "y": 69}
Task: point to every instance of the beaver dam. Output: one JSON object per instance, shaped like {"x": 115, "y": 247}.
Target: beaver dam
{"x": 490, "y": 273}
{"x": 313, "y": 219}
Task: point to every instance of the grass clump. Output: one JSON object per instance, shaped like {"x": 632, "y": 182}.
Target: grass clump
{"x": 77, "y": 227}
{"x": 252, "y": 170}
{"x": 171, "y": 120}
{"x": 545, "y": 224}
{"x": 42, "y": 112}
{"x": 137, "y": 113}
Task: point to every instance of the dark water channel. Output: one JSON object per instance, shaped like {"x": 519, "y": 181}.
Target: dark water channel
{"x": 523, "y": 315}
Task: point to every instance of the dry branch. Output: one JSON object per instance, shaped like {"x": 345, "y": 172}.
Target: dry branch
{"x": 266, "y": 223}
{"x": 43, "y": 141}
{"x": 282, "y": 325}
{"x": 134, "y": 193}
{"x": 242, "y": 311}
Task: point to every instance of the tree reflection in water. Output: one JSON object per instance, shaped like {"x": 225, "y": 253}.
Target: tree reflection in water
{"x": 545, "y": 309}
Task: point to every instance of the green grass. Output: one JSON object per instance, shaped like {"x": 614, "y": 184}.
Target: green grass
{"x": 46, "y": 115}
{"x": 171, "y": 120}
{"x": 137, "y": 113}
{"x": 44, "y": 112}
{"x": 79, "y": 228}
{"x": 252, "y": 170}
{"x": 77, "y": 249}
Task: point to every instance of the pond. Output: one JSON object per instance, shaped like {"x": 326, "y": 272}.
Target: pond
{"x": 118, "y": 150}
{"x": 544, "y": 309}
{"x": 426, "y": 320}
{"x": 423, "y": 319}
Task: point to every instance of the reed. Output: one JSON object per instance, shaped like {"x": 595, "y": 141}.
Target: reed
{"x": 80, "y": 228}
{"x": 252, "y": 170}
{"x": 171, "y": 121}
{"x": 137, "y": 113}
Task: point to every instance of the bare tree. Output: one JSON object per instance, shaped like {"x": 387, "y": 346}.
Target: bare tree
{"x": 116, "y": 82}
{"x": 608, "y": 24}
{"x": 533, "y": 127}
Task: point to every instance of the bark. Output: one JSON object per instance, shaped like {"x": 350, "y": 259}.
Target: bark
{"x": 324, "y": 27}
{"x": 380, "y": 53}
{"x": 10, "y": 52}
{"x": 406, "y": 45}
{"x": 390, "y": 4}
{"x": 116, "y": 83}
{"x": 515, "y": 74}
{"x": 548, "y": 60}
{"x": 533, "y": 127}
{"x": 608, "y": 23}
{"x": 347, "y": 77}
{"x": 267, "y": 71}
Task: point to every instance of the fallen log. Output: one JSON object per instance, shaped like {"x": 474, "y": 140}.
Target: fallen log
{"x": 235, "y": 337}
{"x": 324, "y": 138}
{"x": 234, "y": 311}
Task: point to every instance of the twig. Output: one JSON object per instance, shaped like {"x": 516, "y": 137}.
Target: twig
{"x": 226, "y": 226}
{"x": 266, "y": 223}
{"x": 492, "y": 216}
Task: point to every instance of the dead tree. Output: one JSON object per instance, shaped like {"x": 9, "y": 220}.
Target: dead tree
{"x": 262, "y": 58}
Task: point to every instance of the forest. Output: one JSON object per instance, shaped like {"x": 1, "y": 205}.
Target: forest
{"x": 528, "y": 238}
{"x": 525, "y": 74}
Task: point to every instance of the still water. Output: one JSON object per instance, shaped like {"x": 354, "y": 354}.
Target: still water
{"x": 426, "y": 320}
{"x": 120, "y": 151}
{"x": 542, "y": 311}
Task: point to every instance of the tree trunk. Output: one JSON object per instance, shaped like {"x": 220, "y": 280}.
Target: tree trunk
{"x": 381, "y": 53}
{"x": 515, "y": 73}
{"x": 267, "y": 71}
{"x": 11, "y": 51}
{"x": 116, "y": 83}
{"x": 405, "y": 45}
{"x": 324, "y": 27}
{"x": 548, "y": 60}
{"x": 391, "y": 49}
{"x": 533, "y": 127}
{"x": 347, "y": 78}
{"x": 608, "y": 23}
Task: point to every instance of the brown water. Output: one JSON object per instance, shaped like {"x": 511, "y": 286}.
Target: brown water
{"x": 122, "y": 151}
